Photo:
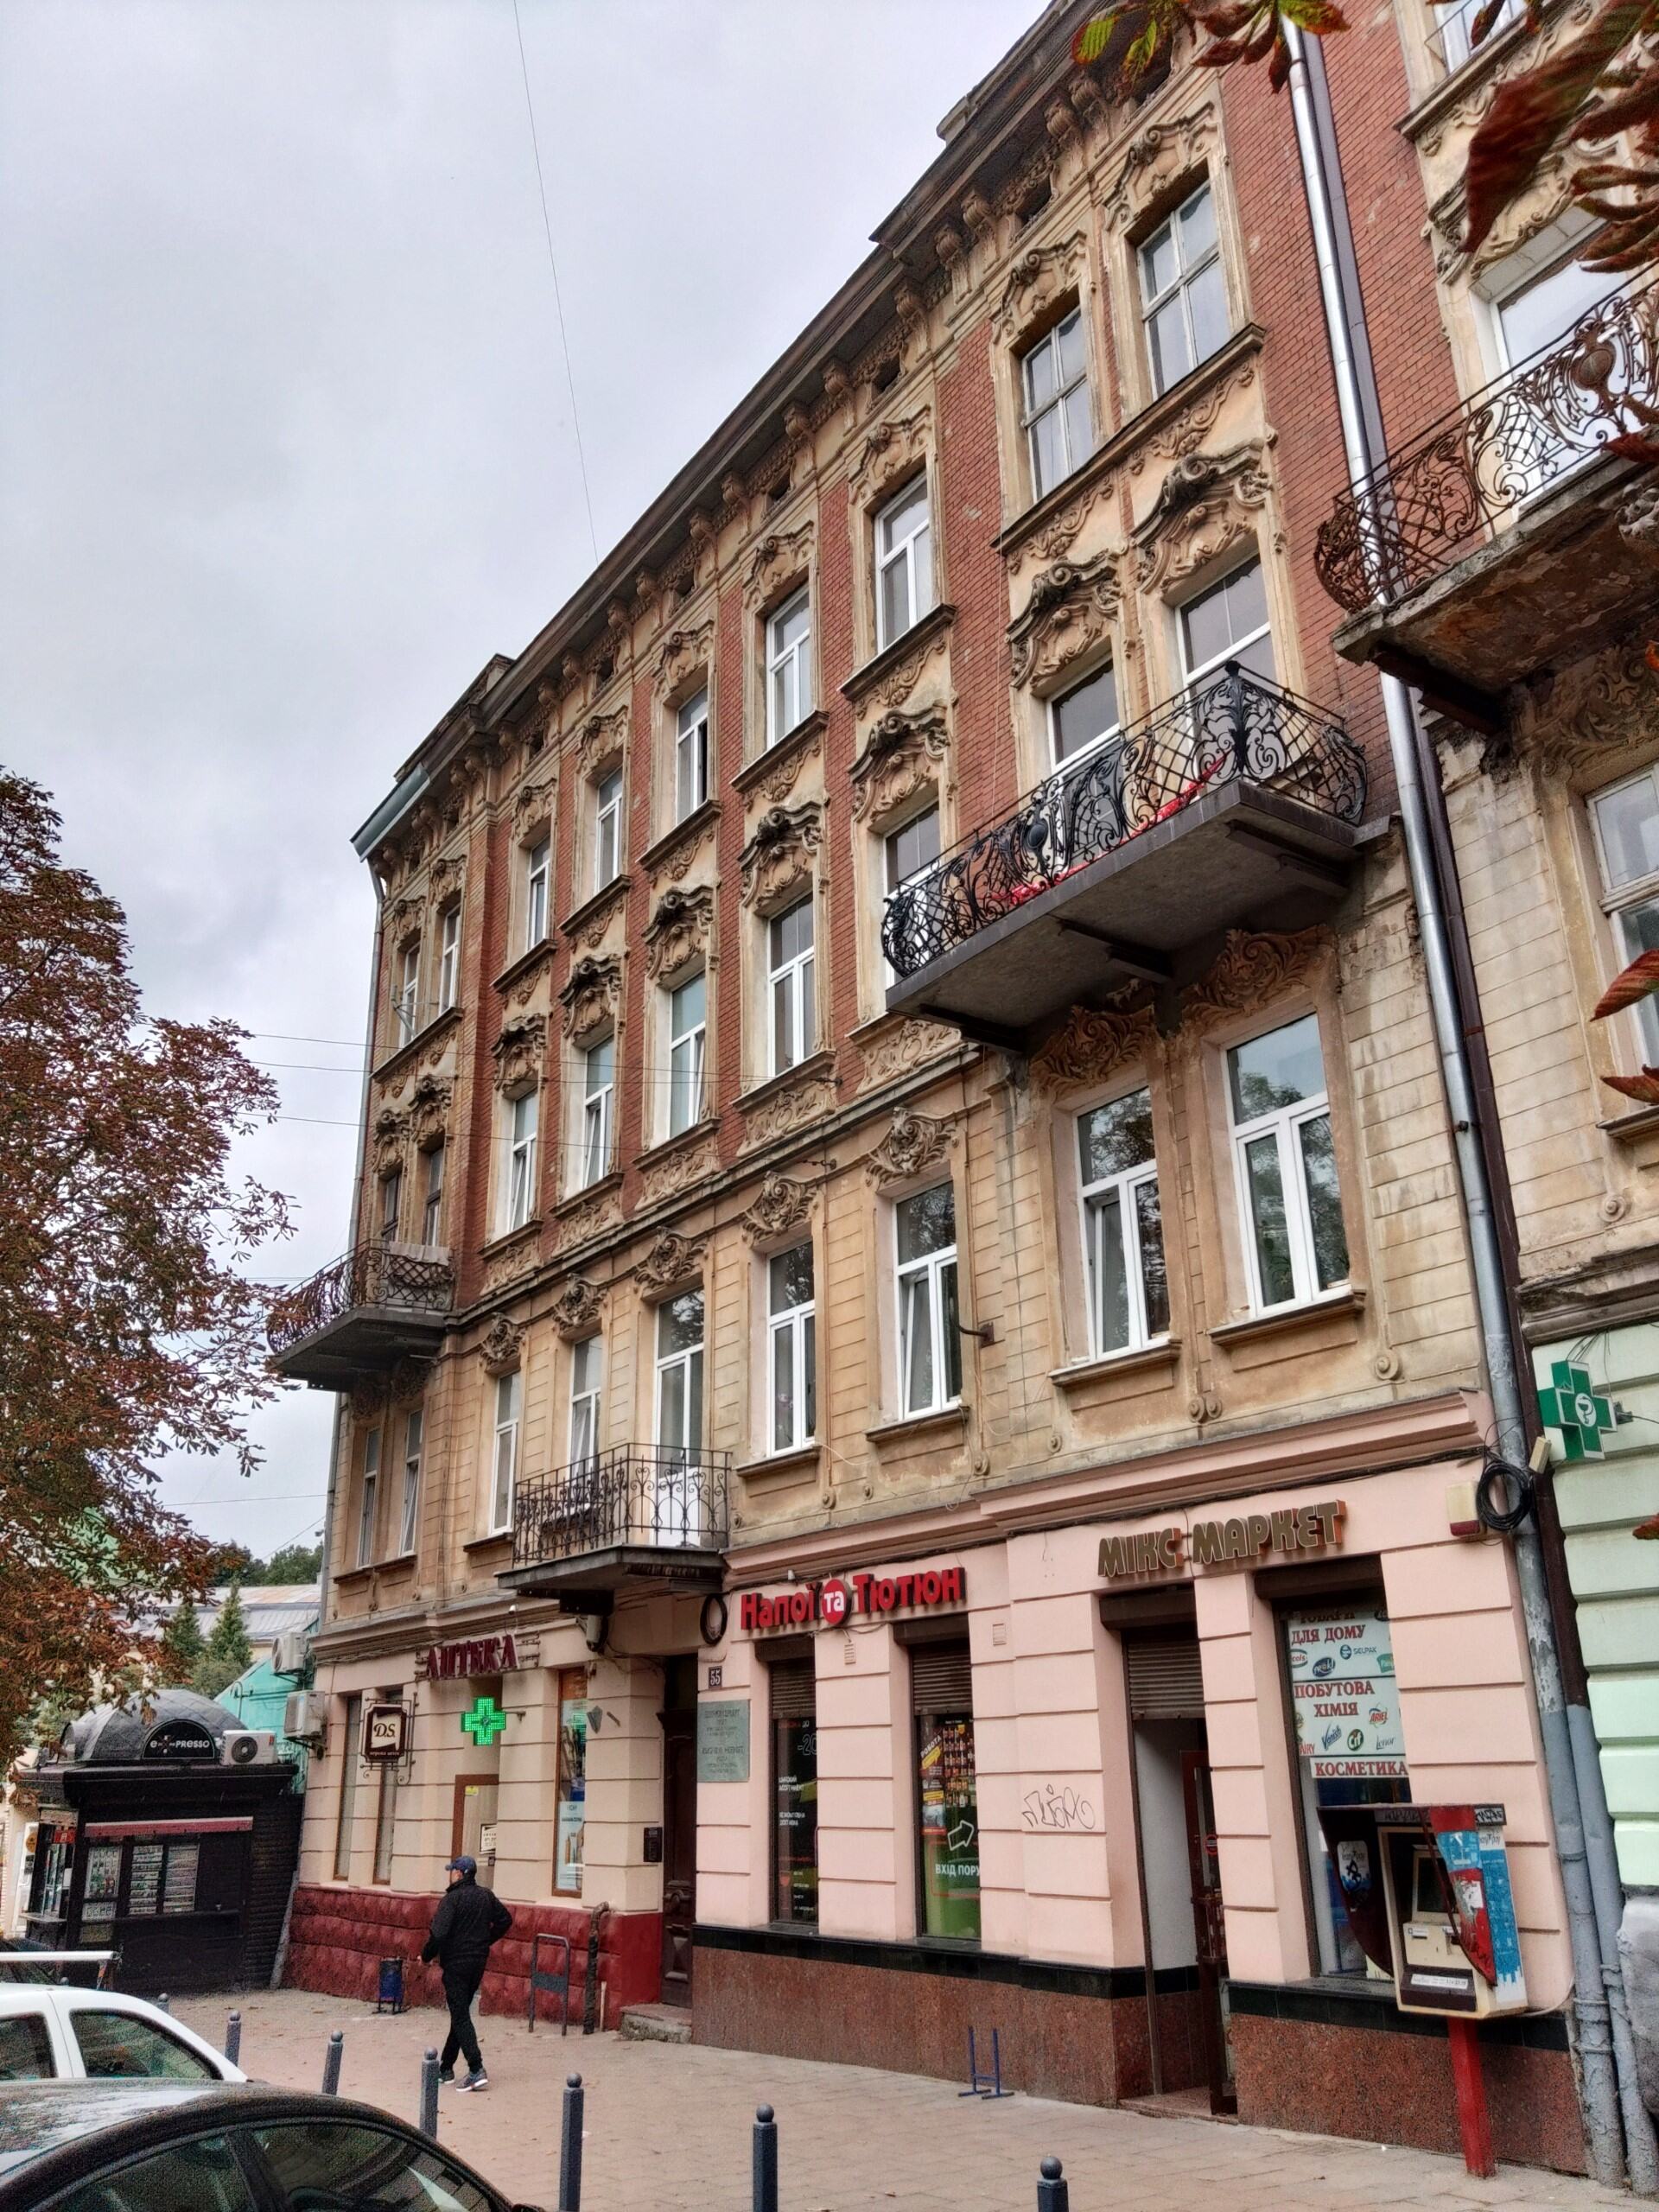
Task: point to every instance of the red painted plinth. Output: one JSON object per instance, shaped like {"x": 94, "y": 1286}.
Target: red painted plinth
{"x": 1473, "y": 2122}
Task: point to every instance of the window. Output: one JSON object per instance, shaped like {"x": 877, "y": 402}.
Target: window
{"x": 343, "y": 2161}
{"x": 370, "y": 1497}
{"x": 904, "y": 563}
{"x": 1454, "y": 27}
{"x": 350, "y": 1750}
{"x": 598, "y": 1090}
{"x": 930, "y": 1342}
{"x": 449, "y": 958}
{"x": 679, "y": 1375}
{"x": 1085, "y": 716}
{"x": 691, "y": 756}
{"x": 391, "y": 1200}
{"x": 432, "y": 1203}
{"x": 505, "y": 1461}
{"x": 586, "y": 1363}
{"x": 1228, "y": 622}
{"x": 202, "y": 2175}
{"x": 947, "y": 1794}
{"x": 789, "y": 972}
{"x": 1340, "y": 1663}
{"x": 26, "y": 2048}
{"x": 792, "y": 1361}
{"x": 1626, "y": 822}
{"x": 410, "y": 1520}
{"x": 909, "y": 852}
{"x": 794, "y": 1791}
{"x": 1287, "y": 1166}
{"x": 789, "y": 666}
{"x": 385, "y": 1821}
{"x": 406, "y": 991}
{"x": 1054, "y": 377}
{"x": 537, "y": 864}
{"x": 1122, "y": 1231}
{"x": 1539, "y": 310}
{"x": 573, "y": 1780}
{"x": 688, "y": 1006}
{"x": 522, "y": 1117}
{"x": 608, "y": 830}
{"x": 1183, "y": 297}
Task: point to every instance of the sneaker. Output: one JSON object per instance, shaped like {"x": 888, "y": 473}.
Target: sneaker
{"x": 480, "y": 2080}
{"x": 447, "y": 2077}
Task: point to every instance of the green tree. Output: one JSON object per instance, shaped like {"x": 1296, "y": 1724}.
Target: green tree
{"x": 292, "y": 1563}
{"x": 183, "y": 1646}
{"x": 228, "y": 1653}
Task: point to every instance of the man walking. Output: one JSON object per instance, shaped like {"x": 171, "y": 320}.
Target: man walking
{"x": 469, "y": 1918}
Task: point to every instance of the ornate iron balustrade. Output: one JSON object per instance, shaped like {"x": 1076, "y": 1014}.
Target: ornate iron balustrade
{"x": 1234, "y": 727}
{"x": 641, "y": 1495}
{"x": 373, "y": 1275}
{"x": 1427, "y": 503}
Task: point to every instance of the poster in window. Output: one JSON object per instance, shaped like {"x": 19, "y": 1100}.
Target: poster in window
{"x": 103, "y": 1886}
{"x": 573, "y": 1795}
{"x": 1346, "y": 1700}
{"x": 144, "y": 1883}
{"x": 795, "y": 1765}
{"x": 179, "y": 1893}
{"x": 949, "y": 1816}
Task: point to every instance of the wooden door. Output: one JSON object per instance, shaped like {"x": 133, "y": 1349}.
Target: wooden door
{"x": 679, "y": 1850}
{"x": 1209, "y": 1926}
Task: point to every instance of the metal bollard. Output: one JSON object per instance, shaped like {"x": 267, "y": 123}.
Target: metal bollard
{"x": 765, "y": 2160}
{"x": 570, "y": 2147}
{"x": 234, "y": 2038}
{"x": 430, "y": 2093}
{"x": 331, "y": 2063}
{"x": 1052, "y": 2194}
{"x": 161, "y": 2005}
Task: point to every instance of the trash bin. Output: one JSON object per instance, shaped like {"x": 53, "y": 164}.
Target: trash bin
{"x": 390, "y": 1994}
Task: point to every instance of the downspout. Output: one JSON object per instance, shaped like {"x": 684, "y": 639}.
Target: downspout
{"x": 1606, "y": 2055}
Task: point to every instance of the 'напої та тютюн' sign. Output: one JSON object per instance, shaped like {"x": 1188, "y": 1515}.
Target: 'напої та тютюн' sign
{"x": 827, "y": 1605}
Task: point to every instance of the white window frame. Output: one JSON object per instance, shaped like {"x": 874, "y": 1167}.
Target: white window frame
{"x": 931, "y": 1267}
{"x": 524, "y": 1129}
{"x": 1192, "y": 675}
{"x": 432, "y": 1199}
{"x": 1452, "y": 28}
{"x": 691, "y": 755}
{"x": 586, "y": 1399}
{"x": 390, "y": 1199}
{"x": 1181, "y": 285}
{"x": 689, "y": 1359}
{"x": 608, "y": 830}
{"x": 1284, "y": 1124}
{"x": 449, "y": 957}
{"x": 1093, "y": 1199}
{"x": 796, "y": 979}
{"x": 687, "y": 1049}
{"x": 918, "y": 595}
{"x": 1618, "y": 902}
{"x": 504, "y": 1460}
{"x": 405, "y": 1001}
{"x": 1101, "y": 739}
{"x": 797, "y": 1326}
{"x": 414, "y": 1447}
{"x": 538, "y": 883}
{"x": 368, "y": 1510}
{"x": 598, "y": 1102}
{"x": 789, "y": 665}
{"x": 889, "y": 889}
{"x": 1031, "y": 415}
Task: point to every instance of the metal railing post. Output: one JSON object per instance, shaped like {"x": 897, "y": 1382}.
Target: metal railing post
{"x": 430, "y": 2093}
{"x": 1237, "y": 719}
{"x": 765, "y": 2160}
{"x": 331, "y": 2063}
{"x": 234, "y": 2038}
{"x": 1052, "y": 2194}
{"x": 570, "y": 2146}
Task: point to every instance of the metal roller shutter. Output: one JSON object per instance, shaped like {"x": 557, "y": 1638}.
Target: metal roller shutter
{"x": 793, "y": 1690}
{"x": 941, "y": 1678}
{"x": 1166, "y": 1681}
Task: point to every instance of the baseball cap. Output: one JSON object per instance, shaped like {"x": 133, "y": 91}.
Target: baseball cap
{"x": 461, "y": 1865}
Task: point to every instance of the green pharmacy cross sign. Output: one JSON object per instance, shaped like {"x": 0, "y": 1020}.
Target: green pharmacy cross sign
{"x": 484, "y": 1722}
{"x": 1582, "y": 1414}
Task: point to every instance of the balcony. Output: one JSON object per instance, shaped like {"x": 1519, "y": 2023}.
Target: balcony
{"x": 361, "y": 1314}
{"x": 637, "y": 1517}
{"x": 1236, "y": 801}
{"x": 1498, "y": 540}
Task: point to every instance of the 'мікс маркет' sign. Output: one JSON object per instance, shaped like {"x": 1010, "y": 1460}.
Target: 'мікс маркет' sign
{"x": 1239, "y": 1541}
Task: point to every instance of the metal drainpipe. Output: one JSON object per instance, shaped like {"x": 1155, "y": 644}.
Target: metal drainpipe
{"x": 1358, "y": 407}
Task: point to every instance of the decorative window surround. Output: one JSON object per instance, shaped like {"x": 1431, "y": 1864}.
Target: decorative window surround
{"x": 523, "y": 969}
{"x": 779, "y": 763}
{"x": 891, "y": 658}
{"x": 582, "y": 920}
{"x": 1141, "y": 1359}
{"x": 419, "y": 1044}
{"x": 673, "y": 854}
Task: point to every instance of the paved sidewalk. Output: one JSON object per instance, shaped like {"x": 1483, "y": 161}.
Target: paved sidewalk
{"x": 668, "y": 2129}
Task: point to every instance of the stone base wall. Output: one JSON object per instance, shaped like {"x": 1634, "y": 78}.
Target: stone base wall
{"x": 339, "y": 1937}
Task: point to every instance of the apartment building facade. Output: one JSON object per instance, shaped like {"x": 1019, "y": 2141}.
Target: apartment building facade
{"x": 907, "y": 1366}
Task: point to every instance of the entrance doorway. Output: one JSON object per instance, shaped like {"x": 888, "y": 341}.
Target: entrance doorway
{"x": 471, "y": 1825}
{"x": 1180, "y": 1884}
{"x": 679, "y": 1719}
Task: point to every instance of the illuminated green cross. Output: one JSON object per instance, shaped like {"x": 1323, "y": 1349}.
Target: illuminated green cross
{"x": 485, "y": 1722}
{"x": 1574, "y": 1406}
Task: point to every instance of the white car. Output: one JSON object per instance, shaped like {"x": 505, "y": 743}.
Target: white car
{"x": 51, "y": 2033}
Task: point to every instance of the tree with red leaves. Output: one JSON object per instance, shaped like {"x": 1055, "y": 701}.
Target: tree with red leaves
{"x": 126, "y": 1330}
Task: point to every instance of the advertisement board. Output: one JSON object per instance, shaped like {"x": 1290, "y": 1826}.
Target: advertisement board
{"x": 1344, "y": 1695}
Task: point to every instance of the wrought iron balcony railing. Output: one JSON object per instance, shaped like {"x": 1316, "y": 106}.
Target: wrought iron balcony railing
{"x": 1233, "y": 727}
{"x": 633, "y": 1497}
{"x": 1428, "y": 504}
{"x": 379, "y": 1275}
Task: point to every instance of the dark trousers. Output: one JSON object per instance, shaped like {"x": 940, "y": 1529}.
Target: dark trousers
{"x": 459, "y": 1987}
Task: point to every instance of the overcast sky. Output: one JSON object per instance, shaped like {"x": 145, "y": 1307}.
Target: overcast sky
{"x": 286, "y": 451}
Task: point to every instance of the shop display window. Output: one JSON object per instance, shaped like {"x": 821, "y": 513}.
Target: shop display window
{"x": 947, "y": 1798}
{"x": 573, "y": 1781}
{"x": 794, "y": 1792}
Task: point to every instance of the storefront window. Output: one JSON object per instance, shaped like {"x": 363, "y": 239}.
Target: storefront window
{"x": 350, "y": 1750}
{"x": 1350, "y": 1748}
{"x": 946, "y": 1795}
{"x": 573, "y": 1781}
{"x": 794, "y": 1792}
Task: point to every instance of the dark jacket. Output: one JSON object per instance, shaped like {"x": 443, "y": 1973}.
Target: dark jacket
{"x": 469, "y": 1918}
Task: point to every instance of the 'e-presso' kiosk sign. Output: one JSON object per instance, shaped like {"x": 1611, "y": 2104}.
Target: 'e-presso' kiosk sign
{"x": 1243, "y": 1541}
{"x": 827, "y": 1605}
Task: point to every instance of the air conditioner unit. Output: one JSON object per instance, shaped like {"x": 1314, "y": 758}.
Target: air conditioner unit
{"x": 248, "y": 1747}
{"x": 302, "y": 1716}
{"x": 287, "y": 1655}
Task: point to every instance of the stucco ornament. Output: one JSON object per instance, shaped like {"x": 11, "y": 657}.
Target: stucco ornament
{"x": 670, "y": 1262}
{"x": 1252, "y": 969}
{"x": 601, "y": 741}
{"x": 1596, "y": 713}
{"x": 1069, "y": 612}
{"x": 890, "y": 452}
{"x": 686, "y": 654}
{"x": 589, "y": 994}
{"x": 1093, "y": 1044}
{"x": 368, "y": 1397}
{"x": 912, "y": 1145}
{"x": 532, "y": 806}
{"x": 902, "y": 753}
{"x": 517, "y": 1053}
{"x": 1162, "y": 154}
{"x": 679, "y": 1169}
{"x": 429, "y": 1111}
{"x": 781, "y": 558}
{"x": 578, "y": 1304}
{"x": 778, "y": 1206}
{"x": 1038, "y": 278}
{"x": 679, "y": 929}
{"x": 501, "y": 1346}
{"x": 778, "y": 856}
{"x": 388, "y": 1140}
{"x": 900, "y": 1047}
